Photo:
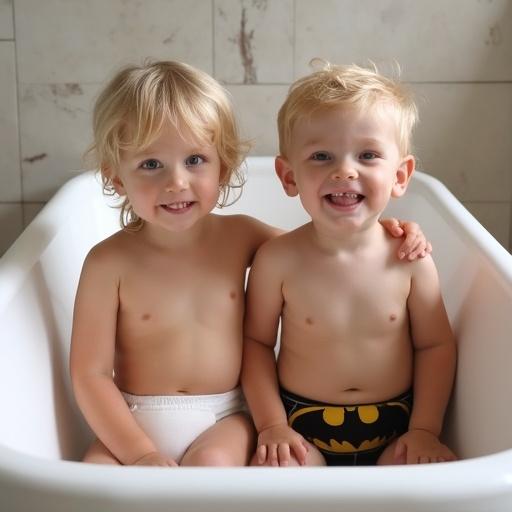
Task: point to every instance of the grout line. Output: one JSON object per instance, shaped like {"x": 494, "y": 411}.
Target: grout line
{"x": 214, "y": 71}
{"x": 294, "y": 40}
{"x": 458, "y": 82}
{"x": 18, "y": 94}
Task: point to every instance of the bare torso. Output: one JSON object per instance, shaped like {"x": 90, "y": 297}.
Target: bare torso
{"x": 179, "y": 322}
{"x": 345, "y": 327}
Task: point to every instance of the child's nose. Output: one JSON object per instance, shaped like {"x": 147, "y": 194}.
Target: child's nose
{"x": 176, "y": 179}
{"x": 344, "y": 171}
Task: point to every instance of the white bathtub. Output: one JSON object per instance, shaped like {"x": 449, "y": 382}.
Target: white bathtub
{"x": 42, "y": 432}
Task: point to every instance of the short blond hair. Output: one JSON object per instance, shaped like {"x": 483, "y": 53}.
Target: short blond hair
{"x": 132, "y": 108}
{"x": 337, "y": 86}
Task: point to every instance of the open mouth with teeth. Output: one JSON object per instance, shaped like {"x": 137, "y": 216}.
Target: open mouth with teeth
{"x": 344, "y": 199}
{"x": 178, "y": 207}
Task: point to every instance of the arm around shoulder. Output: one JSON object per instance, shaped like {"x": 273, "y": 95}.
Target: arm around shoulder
{"x": 259, "y": 372}
{"x": 264, "y": 302}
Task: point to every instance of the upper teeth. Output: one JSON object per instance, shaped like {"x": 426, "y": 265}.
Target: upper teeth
{"x": 350, "y": 195}
{"x": 178, "y": 206}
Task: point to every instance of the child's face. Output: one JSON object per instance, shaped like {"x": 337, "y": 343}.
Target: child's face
{"x": 172, "y": 183}
{"x": 345, "y": 164}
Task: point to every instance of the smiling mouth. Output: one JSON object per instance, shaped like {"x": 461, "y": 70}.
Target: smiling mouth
{"x": 345, "y": 199}
{"x": 178, "y": 207}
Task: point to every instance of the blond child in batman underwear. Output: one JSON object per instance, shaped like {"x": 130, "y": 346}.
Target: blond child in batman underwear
{"x": 367, "y": 356}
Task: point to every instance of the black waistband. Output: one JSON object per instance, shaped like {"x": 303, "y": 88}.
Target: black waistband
{"x": 407, "y": 395}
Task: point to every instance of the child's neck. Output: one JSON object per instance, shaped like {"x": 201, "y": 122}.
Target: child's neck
{"x": 334, "y": 242}
{"x": 162, "y": 238}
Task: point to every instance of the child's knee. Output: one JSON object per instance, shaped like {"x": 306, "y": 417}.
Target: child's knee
{"x": 207, "y": 456}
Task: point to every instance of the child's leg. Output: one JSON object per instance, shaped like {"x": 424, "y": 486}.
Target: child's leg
{"x": 229, "y": 442}
{"x": 313, "y": 458}
{"x": 387, "y": 457}
{"x": 98, "y": 453}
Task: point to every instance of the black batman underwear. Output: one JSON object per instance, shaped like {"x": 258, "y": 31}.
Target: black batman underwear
{"x": 349, "y": 435}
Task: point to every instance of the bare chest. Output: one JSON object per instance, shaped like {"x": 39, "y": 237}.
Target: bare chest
{"x": 173, "y": 294}
{"x": 347, "y": 300}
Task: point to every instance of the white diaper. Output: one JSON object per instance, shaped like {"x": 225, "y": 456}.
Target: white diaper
{"x": 174, "y": 422}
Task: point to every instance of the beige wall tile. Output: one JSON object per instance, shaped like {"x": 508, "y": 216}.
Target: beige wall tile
{"x": 10, "y": 185}
{"x": 76, "y": 41}
{"x": 433, "y": 40}
{"x": 256, "y": 107}
{"x": 6, "y": 22}
{"x": 11, "y": 224}
{"x": 55, "y": 122}
{"x": 495, "y": 217}
{"x": 464, "y": 138}
{"x": 254, "y": 41}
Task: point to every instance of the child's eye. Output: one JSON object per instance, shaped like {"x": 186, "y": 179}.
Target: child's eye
{"x": 368, "y": 155}
{"x": 194, "y": 160}
{"x": 320, "y": 156}
{"x": 151, "y": 164}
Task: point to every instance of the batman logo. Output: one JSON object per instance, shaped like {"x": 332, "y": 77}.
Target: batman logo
{"x": 350, "y": 429}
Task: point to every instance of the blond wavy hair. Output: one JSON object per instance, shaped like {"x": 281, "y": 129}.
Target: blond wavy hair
{"x": 335, "y": 86}
{"x": 132, "y": 108}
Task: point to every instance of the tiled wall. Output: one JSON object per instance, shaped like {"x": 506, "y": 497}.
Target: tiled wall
{"x": 55, "y": 54}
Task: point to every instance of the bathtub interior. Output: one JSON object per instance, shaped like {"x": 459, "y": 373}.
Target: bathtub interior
{"x": 39, "y": 275}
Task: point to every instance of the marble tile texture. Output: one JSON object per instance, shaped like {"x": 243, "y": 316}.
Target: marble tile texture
{"x": 457, "y": 56}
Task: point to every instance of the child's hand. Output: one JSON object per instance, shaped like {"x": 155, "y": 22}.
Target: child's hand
{"x": 415, "y": 244}
{"x": 420, "y": 447}
{"x": 154, "y": 459}
{"x": 276, "y": 443}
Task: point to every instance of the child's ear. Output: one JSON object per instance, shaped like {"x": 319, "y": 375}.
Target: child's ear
{"x": 403, "y": 176}
{"x": 109, "y": 173}
{"x": 286, "y": 176}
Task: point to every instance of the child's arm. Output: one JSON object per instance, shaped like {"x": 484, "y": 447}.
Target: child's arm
{"x": 92, "y": 363}
{"x": 415, "y": 244}
{"x": 434, "y": 367}
{"x": 259, "y": 372}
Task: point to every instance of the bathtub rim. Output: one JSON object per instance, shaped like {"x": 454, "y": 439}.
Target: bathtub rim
{"x": 451, "y": 481}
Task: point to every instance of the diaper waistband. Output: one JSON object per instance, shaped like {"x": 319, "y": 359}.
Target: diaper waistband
{"x": 183, "y": 401}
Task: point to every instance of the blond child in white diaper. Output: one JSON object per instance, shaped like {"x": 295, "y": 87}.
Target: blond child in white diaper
{"x": 157, "y": 331}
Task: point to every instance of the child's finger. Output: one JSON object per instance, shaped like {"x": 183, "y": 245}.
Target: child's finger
{"x": 411, "y": 228}
{"x": 400, "y": 450}
{"x": 416, "y": 252}
{"x": 300, "y": 450}
{"x": 283, "y": 453}
{"x": 272, "y": 455}
{"x": 410, "y": 242}
{"x": 393, "y": 226}
{"x": 261, "y": 454}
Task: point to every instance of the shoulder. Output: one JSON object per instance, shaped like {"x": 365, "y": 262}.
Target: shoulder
{"x": 111, "y": 252}
{"x": 417, "y": 266}
{"x": 283, "y": 247}
{"x": 424, "y": 268}
{"x": 247, "y": 232}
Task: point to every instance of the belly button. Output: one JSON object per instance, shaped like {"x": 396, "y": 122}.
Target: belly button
{"x": 392, "y": 317}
